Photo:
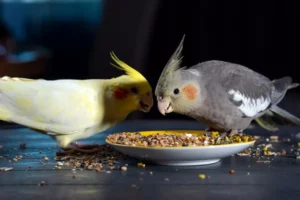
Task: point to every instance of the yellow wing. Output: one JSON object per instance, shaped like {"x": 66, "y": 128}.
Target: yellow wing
{"x": 60, "y": 106}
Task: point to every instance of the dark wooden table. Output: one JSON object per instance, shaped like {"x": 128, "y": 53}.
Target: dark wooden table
{"x": 279, "y": 179}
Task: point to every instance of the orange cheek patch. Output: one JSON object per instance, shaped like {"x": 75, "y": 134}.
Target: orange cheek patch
{"x": 190, "y": 91}
{"x": 120, "y": 93}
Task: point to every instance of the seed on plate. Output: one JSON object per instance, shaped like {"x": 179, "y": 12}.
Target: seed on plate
{"x": 231, "y": 171}
{"x": 73, "y": 176}
{"x": 202, "y": 176}
{"x": 46, "y": 158}
{"x": 274, "y": 138}
{"x": 174, "y": 140}
{"x": 166, "y": 179}
{"x": 151, "y": 173}
{"x": 133, "y": 185}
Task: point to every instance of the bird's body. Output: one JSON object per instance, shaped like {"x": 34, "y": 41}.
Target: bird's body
{"x": 237, "y": 95}
{"x": 70, "y": 110}
{"x": 225, "y": 96}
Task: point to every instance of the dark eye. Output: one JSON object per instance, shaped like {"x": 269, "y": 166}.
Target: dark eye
{"x": 134, "y": 90}
{"x": 176, "y": 91}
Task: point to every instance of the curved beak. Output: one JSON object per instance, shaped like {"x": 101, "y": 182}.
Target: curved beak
{"x": 146, "y": 103}
{"x": 164, "y": 106}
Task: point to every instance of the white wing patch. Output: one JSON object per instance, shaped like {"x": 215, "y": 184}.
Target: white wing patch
{"x": 250, "y": 107}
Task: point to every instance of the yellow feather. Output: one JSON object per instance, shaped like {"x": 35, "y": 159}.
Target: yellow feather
{"x": 129, "y": 70}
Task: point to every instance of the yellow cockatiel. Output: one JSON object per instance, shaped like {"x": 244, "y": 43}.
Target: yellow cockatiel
{"x": 70, "y": 110}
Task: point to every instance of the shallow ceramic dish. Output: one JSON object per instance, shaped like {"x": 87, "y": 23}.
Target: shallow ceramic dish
{"x": 181, "y": 156}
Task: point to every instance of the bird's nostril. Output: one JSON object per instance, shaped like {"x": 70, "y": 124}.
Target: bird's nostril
{"x": 160, "y": 98}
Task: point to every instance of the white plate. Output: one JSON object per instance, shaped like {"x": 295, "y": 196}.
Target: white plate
{"x": 181, "y": 156}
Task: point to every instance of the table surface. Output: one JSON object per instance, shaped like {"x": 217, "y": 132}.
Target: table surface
{"x": 279, "y": 179}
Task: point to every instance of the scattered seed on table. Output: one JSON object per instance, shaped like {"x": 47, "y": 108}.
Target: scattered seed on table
{"x": 202, "y": 176}
{"x": 97, "y": 169}
{"x": 42, "y": 183}
{"x": 57, "y": 167}
{"x": 232, "y": 171}
{"x": 141, "y": 165}
{"x": 123, "y": 168}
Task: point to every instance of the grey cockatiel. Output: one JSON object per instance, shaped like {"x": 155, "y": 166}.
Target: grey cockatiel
{"x": 225, "y": 96}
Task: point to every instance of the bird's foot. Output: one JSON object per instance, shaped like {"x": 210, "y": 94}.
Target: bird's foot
{"x": 74, "y": 148}
{"x": 228, "y": 134}
{"x": 231, "y": 133}
{"x": 208, "y": 131}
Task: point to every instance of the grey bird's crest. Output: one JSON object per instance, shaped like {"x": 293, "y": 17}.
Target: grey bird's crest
{"x": 169, "y": 70}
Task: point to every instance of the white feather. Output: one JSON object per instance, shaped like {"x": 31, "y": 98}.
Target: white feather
{"x": 195, "y": 72}
{"x": 250, "y": 107}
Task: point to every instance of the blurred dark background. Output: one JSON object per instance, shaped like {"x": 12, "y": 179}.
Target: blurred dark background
{"x": 79, "y": 34}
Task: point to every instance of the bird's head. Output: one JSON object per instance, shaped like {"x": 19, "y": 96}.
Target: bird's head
{"x": 177, "y": 89}
{"x": 132, "y": 90}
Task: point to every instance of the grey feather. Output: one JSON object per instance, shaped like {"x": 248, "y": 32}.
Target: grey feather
{"x": 280, "y": 88}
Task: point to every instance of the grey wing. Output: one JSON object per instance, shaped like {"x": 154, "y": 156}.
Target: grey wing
{"x": 246, "y": 89}
{"x": 249, "y": 91}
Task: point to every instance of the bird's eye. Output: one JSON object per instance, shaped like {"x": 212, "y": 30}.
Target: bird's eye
{"x": 134, "y": 90}
{"x": 176, "y": 91}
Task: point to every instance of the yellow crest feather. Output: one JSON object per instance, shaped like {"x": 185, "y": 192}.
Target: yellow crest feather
{"x": 129, "y": 70}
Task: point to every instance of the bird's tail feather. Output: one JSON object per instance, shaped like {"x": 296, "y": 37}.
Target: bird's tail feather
{"x": 285, "y": 114}
{"x": 266, "y": 121}
{"x": 293, "y": 85}
{"x": 276, "y": 116}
